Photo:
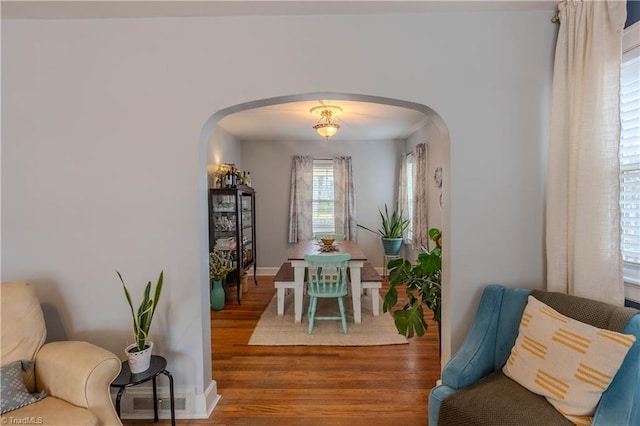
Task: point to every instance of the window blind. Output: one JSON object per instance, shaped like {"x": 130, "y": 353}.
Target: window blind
{"x": 323, "y": 211}
{"x": 630, "y": 155}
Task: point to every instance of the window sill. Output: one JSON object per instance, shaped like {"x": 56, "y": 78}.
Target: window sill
{"x": 631, "y": 273}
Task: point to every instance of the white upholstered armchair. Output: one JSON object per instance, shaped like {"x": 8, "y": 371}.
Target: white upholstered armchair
{"x": 65, "y": 383}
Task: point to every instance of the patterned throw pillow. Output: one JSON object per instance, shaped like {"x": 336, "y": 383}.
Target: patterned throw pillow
{"x": 568, "y": 362}
{"x": 13, "y": 392}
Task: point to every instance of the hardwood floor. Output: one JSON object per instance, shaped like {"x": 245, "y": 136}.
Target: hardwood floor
{"x": 313, "y": 385}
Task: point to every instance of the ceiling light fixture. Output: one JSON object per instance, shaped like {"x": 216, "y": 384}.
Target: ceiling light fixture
{"x": 325, "y": 127}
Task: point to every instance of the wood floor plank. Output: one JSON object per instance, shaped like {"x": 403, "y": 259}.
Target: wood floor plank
{"x": 313, "y": 385}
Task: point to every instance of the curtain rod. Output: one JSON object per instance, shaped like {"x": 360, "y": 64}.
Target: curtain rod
{"x": 555, "y": 18}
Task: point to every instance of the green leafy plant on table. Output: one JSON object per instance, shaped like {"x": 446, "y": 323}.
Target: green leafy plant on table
{"x": 423, "y": 288}
{"x": 142, "y": 319}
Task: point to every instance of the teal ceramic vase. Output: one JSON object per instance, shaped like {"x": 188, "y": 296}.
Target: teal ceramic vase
{"x": 391, "y": 246}
{"x": 217, "y": 296}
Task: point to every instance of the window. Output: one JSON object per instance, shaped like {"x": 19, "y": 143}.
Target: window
{"x": 409, "y": 212}
{"x": 323, "y": 200}
{"x": 630, "y": 153}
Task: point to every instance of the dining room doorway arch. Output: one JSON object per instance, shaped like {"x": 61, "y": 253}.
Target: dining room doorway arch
{"x": 438, "y": 141}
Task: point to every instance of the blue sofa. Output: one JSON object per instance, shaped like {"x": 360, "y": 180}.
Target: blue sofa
{"x": 488, "y": 345}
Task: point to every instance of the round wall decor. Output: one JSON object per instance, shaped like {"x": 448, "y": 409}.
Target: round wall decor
{"x": 437, "y": 177}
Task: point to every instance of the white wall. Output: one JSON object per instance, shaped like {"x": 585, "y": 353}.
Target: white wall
{"x": 104, "y": 153}
{"x": 221, "y": 148}
{"x": 375, "y": 179}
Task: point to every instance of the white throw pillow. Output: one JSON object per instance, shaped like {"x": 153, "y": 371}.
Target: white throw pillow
{"x": 568, "y": 362}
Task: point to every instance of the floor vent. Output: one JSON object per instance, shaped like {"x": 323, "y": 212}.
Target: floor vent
{"x": 137, "y": 402}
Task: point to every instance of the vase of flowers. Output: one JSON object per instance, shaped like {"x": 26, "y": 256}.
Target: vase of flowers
{"x": 219, "y": 267}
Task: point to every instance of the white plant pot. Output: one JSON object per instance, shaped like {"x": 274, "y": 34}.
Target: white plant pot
{"x": 139, "y": 361}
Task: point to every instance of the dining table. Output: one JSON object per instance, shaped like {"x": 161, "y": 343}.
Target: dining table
{"x": 358, "y": 258}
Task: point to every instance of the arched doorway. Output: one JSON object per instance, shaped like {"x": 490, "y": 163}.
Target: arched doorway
{"x": 436, "y": 134}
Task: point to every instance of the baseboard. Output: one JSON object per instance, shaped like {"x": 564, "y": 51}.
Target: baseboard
{"x": 206, "y": 403}
{"x": 137, "y": 402}
{"x": 269, "y": 271}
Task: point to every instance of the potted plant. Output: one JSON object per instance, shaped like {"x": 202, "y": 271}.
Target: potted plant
{"x": 139, "y": 353}
{"x": 423, "y": 287}
{"x": 219, "y": 267}
{"x": 391, "y": 231}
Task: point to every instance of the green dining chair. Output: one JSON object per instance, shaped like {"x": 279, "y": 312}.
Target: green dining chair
{"x": 337, "y": 237}
{"x": 327, "y": 278}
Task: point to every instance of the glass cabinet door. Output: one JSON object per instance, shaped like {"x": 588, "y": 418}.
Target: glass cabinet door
{"x": 232, "y": 229}
{"x": 247, "y": 229}
{"x": 224, "y": 222}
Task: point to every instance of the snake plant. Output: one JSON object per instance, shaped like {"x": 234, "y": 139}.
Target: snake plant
{"x": 142, "y": 320}
{"x": 392, "y": 226}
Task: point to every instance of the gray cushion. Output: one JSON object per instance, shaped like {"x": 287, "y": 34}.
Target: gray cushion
{"x": 13, "y": 392}
{"x": 497, "y": 400}
{"x": 592, "y": 312}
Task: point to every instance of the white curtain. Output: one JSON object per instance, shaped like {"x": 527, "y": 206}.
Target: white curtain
{"x": 420, "y": 197}
{"x": 344, "y": 198}
{"x": 583, "y": 217}
{"x": 300, "y": 214}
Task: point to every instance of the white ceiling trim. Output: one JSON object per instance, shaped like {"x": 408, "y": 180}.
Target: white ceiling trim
{"x": 82, "y": 9}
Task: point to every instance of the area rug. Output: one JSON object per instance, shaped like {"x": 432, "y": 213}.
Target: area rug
{"x": 274, "y": 330}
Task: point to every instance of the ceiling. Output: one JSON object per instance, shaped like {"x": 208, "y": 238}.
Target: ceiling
{"x": 291, "y": 120}
{"x": 294, "y": 121}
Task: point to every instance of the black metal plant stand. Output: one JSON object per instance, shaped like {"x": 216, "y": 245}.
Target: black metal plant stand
{"x": 127, "y": 379}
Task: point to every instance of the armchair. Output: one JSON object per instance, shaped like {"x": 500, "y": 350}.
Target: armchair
{"x": 75, "y": 375}
{"x": 484, "y": 395}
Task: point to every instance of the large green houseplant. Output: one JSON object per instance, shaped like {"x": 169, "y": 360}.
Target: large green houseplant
{"x": 423, "y": 288}
{"x": 391, "y": 230}
{"x": 139, "y": 353}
